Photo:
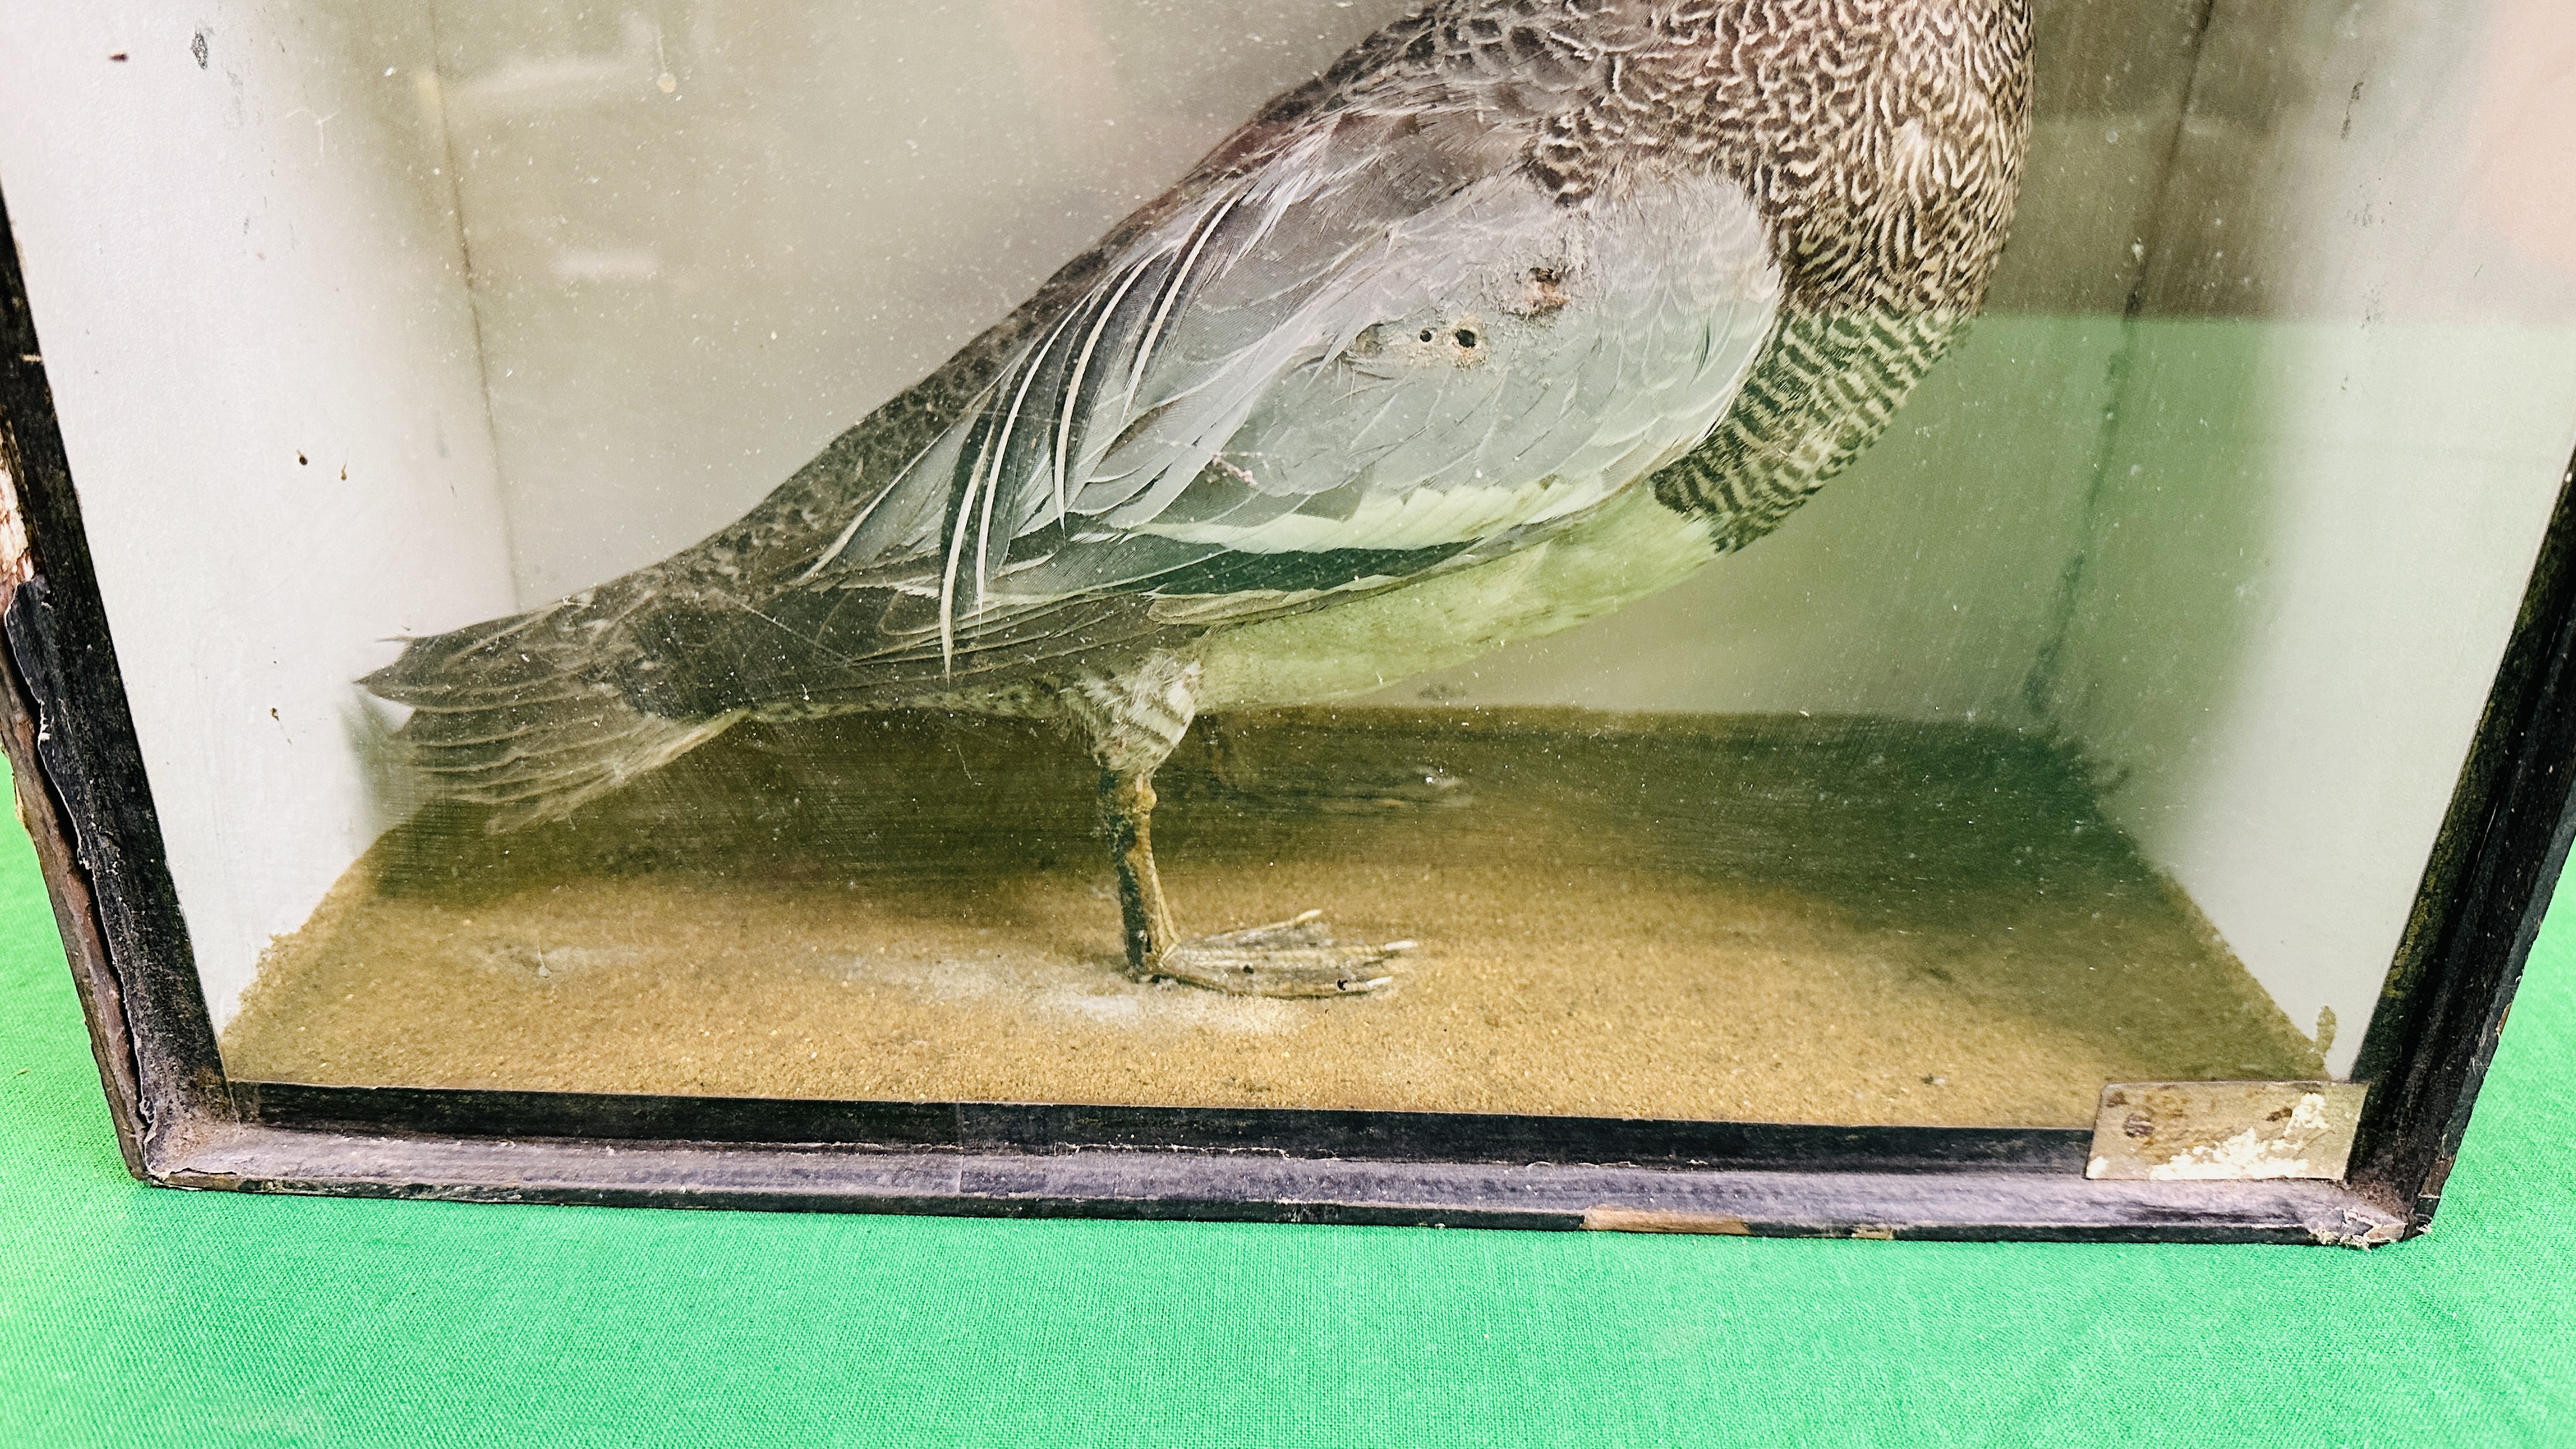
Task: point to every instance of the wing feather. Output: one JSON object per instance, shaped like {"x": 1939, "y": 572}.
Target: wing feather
{"x": 1335, "y": 356}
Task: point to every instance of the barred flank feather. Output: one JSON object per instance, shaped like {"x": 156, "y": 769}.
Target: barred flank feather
{"x": 1820, "y": 393}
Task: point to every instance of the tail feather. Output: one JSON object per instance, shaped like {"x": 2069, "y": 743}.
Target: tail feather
{"x": 520, "y": 715}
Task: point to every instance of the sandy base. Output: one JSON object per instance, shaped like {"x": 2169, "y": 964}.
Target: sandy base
{"x": 1827, "y": 921}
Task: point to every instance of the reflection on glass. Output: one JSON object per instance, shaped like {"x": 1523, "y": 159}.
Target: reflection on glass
{"x": 2093, "y": 726}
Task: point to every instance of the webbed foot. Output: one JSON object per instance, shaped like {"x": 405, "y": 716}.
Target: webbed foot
{"x": 1295, "y": 957}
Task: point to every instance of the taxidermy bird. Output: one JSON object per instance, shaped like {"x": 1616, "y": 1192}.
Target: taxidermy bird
{"x": 1523, "y": 310}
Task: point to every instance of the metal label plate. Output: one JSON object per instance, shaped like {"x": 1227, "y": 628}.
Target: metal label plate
{"x": 2224, "y": 1131}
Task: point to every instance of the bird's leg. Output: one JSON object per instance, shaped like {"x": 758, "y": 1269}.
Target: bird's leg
{"x": 1127, "y": 818}
{"x": 1134, "y": 722}
{"x": 1295, "y": 957}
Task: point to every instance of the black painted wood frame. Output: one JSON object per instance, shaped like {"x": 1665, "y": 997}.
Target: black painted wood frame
{"x": 181, "y": 1122}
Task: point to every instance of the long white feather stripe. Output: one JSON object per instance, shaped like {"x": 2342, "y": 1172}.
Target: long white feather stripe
{"x": 1035, "y": 363}
{"x": 1066, "y": 409}
{"x": 1171, "y": 296}
{"x": 956, "y": 553}
{"x": 993, "y": 475}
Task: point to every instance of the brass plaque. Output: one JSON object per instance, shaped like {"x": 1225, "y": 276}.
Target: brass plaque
{"x": 2224, "y": 1131}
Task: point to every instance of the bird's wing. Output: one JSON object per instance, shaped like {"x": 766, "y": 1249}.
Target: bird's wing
{"x": 1359, "y": 360}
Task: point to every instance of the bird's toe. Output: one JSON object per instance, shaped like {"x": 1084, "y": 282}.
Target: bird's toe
{"x": 1295, "y": 957}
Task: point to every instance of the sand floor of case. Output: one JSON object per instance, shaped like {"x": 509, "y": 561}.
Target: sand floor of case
{"x": 1837, "y": 921}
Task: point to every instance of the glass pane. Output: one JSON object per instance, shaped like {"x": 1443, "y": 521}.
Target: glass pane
{"x": 2094, "y": 725}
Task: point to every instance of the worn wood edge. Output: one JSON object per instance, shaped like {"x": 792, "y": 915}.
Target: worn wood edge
{"x": 30, "y": 455}
{"x": 1263, "y": 1188}
{"x": 80, "y": 774}
{"x": 2486, "y": 888}
{"x": 83, "y": 750}
{"x": 1609, "y": 1218}
{"x": 26, "y": 406}
{"x": 75, "y": 908}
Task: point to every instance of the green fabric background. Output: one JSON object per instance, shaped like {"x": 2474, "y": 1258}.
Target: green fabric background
{"x": 130, "y": 1315}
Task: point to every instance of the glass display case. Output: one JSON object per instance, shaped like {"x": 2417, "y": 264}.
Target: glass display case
{"x": 1931, "y": 618}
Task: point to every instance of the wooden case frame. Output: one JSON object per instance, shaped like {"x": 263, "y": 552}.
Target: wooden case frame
{"x": 181, "y": 1122}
